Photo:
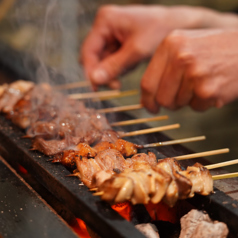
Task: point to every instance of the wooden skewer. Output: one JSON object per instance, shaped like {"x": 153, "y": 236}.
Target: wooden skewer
{"x": 120, "y": 108}
{"x": 150, "y": 130}
{"x": 202, "y": 154}
{"x": 138, "y": 121}
{"x": 94, "y": 94}
{"x": 122, "y": 94}
{"x": 98, "y": 193}
{"x": 173, "y": 142}
{"x": 222, "y": 164}
{"x": 93, "y": 189}
{"x": 79, "y": 84}
{"x": 225, "y": 176}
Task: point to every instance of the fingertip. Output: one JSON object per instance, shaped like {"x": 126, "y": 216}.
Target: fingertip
{"x": 99, "y": 76}
{"x": 150, "y": 106}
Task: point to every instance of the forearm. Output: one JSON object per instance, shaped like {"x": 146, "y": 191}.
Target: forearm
{"x": 200, "y": 17}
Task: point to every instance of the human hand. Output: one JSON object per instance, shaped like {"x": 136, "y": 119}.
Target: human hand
{"x": 192, "y": 67}
{"x": 121, "y": 37}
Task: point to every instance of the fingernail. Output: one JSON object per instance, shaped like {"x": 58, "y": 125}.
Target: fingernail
{"x": 99, "y": 76}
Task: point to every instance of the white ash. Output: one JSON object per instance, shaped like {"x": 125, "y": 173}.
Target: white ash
{"x": 197, "y": 224}
{"x": 149, "y": 230}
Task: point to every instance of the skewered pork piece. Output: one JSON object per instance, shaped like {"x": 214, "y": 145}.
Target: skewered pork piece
{"x": 13, "y": 93}
{"x": 51, "y": 147}
{"x": 67, "y": 157}
{"x": 26, "y": 109}
{"x": 200, "y": 178}
{"x": 124, "y": 147}
{"x": 71, "y": 125}
{"x": 111, "y": 161}
{"x": 42, "y": 104}
{"x": 136, "y": 185}
{"x": 180, "y": 186}
{"x": 108, "y": 160}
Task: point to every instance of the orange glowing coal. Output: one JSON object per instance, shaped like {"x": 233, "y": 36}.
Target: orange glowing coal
{"x": 124, "y": 209}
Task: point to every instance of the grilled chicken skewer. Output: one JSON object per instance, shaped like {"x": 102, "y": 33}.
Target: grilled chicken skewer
{"x": 126, "y": 148}
{"x": 166, "y": 181}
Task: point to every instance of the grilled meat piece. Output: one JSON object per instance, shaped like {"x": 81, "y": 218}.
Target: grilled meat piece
{"x": 13, "y": 93}
{"x": 104, "y": 145}
{"x": 142, "y": 161}
{"x": 180, "y": 186}
{"x": 126, "y": 148}
{"x": 52, "y": 147}
{"x": 201, "y": 179}
{"x": 45, "y": 130}
{"x": 110, "y": 136}
{"x": 111, "y": 159}
{"x": 98, "y": 121}
{"x": 85, "y": 150}
{"x": 145, "y": 183}
{"x": 66, "y": 158}
{"x": 25, "y": 110}
{"x": 86, "y": 169}
{"x": 139, "y": 186}
{"x": 198, "y": 224}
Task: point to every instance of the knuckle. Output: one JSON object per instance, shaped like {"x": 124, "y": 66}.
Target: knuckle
{"x": 175, "y": 38}
{"x": 204, "y": 92}
{"x": 106, "y": 11}
{"x": 197, "y": 70}
{"x": 178, "y": 44}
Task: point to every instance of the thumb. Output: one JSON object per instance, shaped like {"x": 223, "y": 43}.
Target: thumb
{"x": 113, "y": 65}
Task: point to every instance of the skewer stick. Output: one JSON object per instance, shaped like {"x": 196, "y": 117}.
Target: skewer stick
{"x": 120, "y": 109}
{"x": 94, "y": 94}
{"x": 138, "y": 121}
{"x": 222, "y": 164}
{"x": 98, "y": 193}
{"x": 173, "y": 142}
{"x": 202, "y": 154}
{"x": 93, "y": 189}
{"x": 79, "y": 84}
{"x": 150, "y": 130}
{"x": 225, "y": 176}
{"x": 122, "y": 94}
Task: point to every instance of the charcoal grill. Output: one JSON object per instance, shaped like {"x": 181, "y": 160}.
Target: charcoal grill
{"x": 98, "y": 215}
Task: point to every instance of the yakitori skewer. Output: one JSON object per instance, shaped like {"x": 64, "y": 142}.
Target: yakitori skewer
{"x": 150, "y": 130}
{"x": 225, "y": 176}
{"x": 122, "y": 94}
{"x": 139, "y": 120}
{"x": 173, "y": 142}
{"x": 79, "y": 84}
{"x": 95, "y": 94}
{"x": 214, "y": 177}
{"x": 120, "y": 108}
{"x": 222, "y": 164}
{"x": 202, "y": 154}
